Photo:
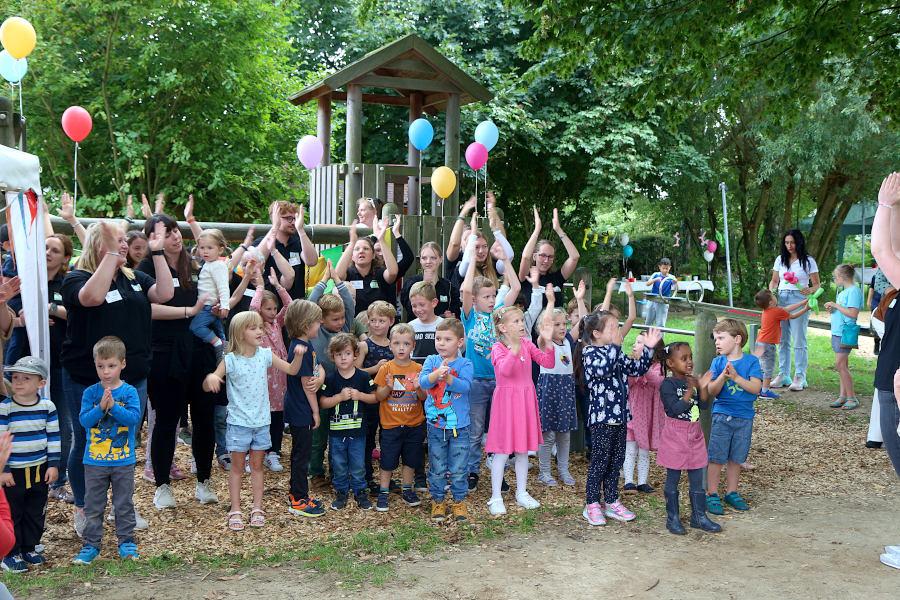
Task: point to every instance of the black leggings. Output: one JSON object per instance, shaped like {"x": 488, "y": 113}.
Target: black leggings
{"x": 169, "y": 398}
{"x": 695, "y": 480}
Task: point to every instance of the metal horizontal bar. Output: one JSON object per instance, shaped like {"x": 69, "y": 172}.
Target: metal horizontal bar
{"x": 663, "y": 329}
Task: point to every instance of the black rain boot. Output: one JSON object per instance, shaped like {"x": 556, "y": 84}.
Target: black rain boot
{"x": 673, "y": 518}
{"x": 699, "y": 520}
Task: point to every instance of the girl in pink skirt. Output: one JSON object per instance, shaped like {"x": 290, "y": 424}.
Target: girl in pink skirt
{"x": 647, "y": 416}
{"x": 682, "y": 446}
{"x": 515, "y": 426}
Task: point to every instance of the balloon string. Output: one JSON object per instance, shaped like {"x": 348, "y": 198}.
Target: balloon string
{"x": 75, "y": 199}
{"x": 485, "y": 188}
{"x": 21, "y": 110}
{"x": 419, "y": 183}
{"x": 476, "y": 192}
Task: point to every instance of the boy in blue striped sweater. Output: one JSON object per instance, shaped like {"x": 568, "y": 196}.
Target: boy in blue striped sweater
{"x": 34, "y": 461}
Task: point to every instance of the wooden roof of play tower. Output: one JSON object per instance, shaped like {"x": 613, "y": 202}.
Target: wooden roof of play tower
{"x": 399, "y": 69}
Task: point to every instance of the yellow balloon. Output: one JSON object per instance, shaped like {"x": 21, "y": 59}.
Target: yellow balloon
{"x": 443, "y": 181}
{"x": 18, "y": 37}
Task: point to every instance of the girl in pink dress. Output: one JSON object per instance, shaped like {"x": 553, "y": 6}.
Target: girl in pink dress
{"x": 266, "y": 304}
{"x": 647, "y": 418}
{"x": 515, "y": 426}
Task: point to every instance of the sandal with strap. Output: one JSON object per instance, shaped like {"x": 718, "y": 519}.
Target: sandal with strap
{"x": 236, "y": 520}
{"x": 851, "y": 403}
{"x": 841, "y": 400}
{"x": 257, "y": 518}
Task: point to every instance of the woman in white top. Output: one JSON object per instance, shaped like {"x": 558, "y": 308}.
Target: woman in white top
{"x": 793, "y": 259}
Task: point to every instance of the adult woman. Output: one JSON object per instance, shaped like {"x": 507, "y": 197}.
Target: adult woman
{"x": 103, "y": 297}
{"x": 794, "y": 259}
{"x": 542, "y": 254}
{"x": 488, "y": 259}
{"x": 180, "y": 362}
{"x": 358, "y": 267}
{"x": 368, "y": 211}
{"x": 448, "y": 297}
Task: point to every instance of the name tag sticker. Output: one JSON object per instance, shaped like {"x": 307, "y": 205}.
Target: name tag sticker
{"x": 444, "y": 299}
{"x": 249, "y": 293}
{"x": 357, "y": 285}
{"x": 893, "y": 302}
{"x": 373, "y": 284}
{"x": 57, "y": 297}
{"x": 175, "y": 282}
{"x": 136, "y": 287}
{"x": 113, "y": 296}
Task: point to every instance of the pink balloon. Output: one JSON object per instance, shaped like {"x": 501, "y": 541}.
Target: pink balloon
{"x": 77, "y": 123}
{"x": 310, "y": 151}
{"x": 476, "y": 155}
{"x": 711, "y": 246}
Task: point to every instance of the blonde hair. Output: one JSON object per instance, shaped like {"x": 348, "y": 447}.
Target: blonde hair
{"x": 380, "y": 308}
{"x": 239, "y": 324}
{"x": 93, "y": 252}
{"x": 487, "y": 269}
{"x": 216, "y": 236}
{"x": 732, "y": 327}
{"x": 482, "y": 282}
{"x": 403, "y": 329}
{"x": 552, "y": 313}
{"x": 846, "y": 271}
{"x": 453, "y": 325}
{"x": 500, "y": 316}
{"x": 424, "y": 289}
{"x": 284, "y": 207}
{"x": 433, "y": 247}
{"x": 300, "y": 316}
{"x": 329, "y": 303}
{"x": 110, "y": 347}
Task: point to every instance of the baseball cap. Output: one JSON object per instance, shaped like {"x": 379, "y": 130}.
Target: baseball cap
{"x": 31, "y": 365}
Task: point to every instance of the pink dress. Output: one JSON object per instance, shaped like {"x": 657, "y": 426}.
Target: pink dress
{"x": 647, "y": 412}
{"x": 274, "y": 340}
{"x": 515, "y": 417}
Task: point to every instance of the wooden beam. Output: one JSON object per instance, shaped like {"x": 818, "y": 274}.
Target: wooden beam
{"x": 353, "y": 181}
{"x": 405, "y": 83}
{"x": 323, "y": 127}
{"x": 413, "y": 156}
{"x": 374, "y": 99}
{"x": 451, "y": 154}
{"x": 410, "y": 65}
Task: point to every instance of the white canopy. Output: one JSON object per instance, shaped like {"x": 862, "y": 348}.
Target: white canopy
{"x": 19, "y": 171}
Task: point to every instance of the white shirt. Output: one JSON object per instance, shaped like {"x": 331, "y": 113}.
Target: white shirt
{"x": 213, "y": 282}
{"x": 798, "y": 270}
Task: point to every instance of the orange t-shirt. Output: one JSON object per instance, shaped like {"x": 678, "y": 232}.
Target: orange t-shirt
{"x": 770, "y": 327}
{"x": 402, "y": 406}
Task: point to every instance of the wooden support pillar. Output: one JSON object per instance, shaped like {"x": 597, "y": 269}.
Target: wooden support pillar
{"x": 451, "y": 156}
{"x": 323, "y": 126}
{"x": 353, "y": 181}
{"x": 412, "y": 158}
{"x": 704, "y": 353}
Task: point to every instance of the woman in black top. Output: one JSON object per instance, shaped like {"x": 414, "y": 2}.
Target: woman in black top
{"x": 447, "y": 296}
{"x": 405, "y": 259}
{"x": 542, "y": 254}
{"x": 102, "y": 298}
{"x": 359, "y": 268}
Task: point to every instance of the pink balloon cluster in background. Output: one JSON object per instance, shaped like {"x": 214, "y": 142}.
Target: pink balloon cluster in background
{"x": 310, "y": 151}
{"x": 77, "y": 123}
{"x": 476, "y": 155}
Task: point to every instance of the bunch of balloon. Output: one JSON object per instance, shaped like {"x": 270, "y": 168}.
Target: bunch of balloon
{"x": 421, "y": 134}
{"x": 486, "y": 136}
{"x": 627, "y": 250}
{"x": 18, "y": 39}
{"x": 77, "y": 124}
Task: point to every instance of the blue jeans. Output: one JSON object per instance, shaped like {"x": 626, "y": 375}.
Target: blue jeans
{"x": 793, "y": 330}
{"x": 207, "y": 326}
{"x": 64, "y": 415}
{"x": 73, "y": 392}
{"x": 348, "y": 467}
{"x": 448, "y": 453}
{"x": 479, "y": 399}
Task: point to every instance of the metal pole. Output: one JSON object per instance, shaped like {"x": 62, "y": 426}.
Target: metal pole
{"x": 724, "y": 189}
{"x": 862, "y": 249}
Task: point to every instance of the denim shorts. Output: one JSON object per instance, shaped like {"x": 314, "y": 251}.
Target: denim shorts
{"x": 836, "y": 345}
{"x": 241, "y": 439}
{"x": 729, "y": 439}
{"x": 405, "y": 442}
{"x": 767, "y": 359}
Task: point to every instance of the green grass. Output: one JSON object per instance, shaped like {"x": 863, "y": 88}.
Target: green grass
{"x": 821, "y": 373}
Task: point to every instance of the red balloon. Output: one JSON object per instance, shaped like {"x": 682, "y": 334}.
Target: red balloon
{"x": 77, "y": 123}
{"x": 476, "y": 155}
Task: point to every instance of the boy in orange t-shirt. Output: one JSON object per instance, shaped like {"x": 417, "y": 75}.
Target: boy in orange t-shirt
{"x": 770, "y": 334}
{"x": 402, "y": 417}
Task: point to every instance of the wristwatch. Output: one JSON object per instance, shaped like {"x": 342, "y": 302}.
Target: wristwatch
{"x": 53, "y": 308}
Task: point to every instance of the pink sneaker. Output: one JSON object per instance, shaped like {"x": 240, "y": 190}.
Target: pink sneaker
{"x": 148, "y": 475}
{"x": 594, "y": 514}
{"x": 176, "y": 474}
{"x": 617, "y": 511}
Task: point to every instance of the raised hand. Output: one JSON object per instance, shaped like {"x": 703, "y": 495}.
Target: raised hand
{"x": 9, "y": 288}
{"x": 652, "y": 337}
{"x": 145, "y": 207}
{"x": 379, "y": 228}
{"x": 129, "y": 207}
{"x": 556, "y": 226}
{"x": 329, "y": 271}
{"x": 248, "y": 239}
{"x": 580, "y": 290}
{"x": 489, "y": 199}
{"x": 545, "y": 331}
{"x": 629, "y": 291}
{"x": 889, "y": 194}
{"x": 273, "y": 278}
{"x": 473, "y": 223}
{"x": 611, "y": 285}
{"x": 354, "y": 235}
{"x": 396, "y": 228}
{"x": 537, "y": 219}
{"x": 67, "y": 208}
{"x": 300, "y": 221}
{"x": 157, "y": 237}
{"x": 189, "y": 208}
{"x": 549, "y": 294}
{"x": 470, "y": 204}
{"x": 160, "y": 203}
{"x": 534, "y": 277}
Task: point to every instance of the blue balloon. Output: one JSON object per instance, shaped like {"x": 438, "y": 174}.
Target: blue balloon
{"x": 487, "y": 134}
{"x": 420, "y": 134}
{"x": 11, "y": 69}
{"x": 627, "y": 251}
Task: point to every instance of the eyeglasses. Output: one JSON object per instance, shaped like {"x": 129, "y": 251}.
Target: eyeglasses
{"x": 289, "y": 218}
{"x": 546, "y": 256}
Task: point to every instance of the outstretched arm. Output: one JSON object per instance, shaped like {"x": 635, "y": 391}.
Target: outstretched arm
{"x": 455, "y": 243}
{"x": 528, "y": 251}
{"x": 571, "y": 263}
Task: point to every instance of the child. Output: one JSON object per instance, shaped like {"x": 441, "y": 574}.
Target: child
{"x": 646, "y": 422}
{"x": 770, "y": 334}
{"x": 110, "y": 415}
{"x": 212, "y": 283}
{"x": 447, "y": 379}
{"x": 843, "y": 314}
{"x": 606, "y": 367}
{"x": 682, "y": 446}
{"x": 266, "y": 304}
{"x": 374, "y": 353}
{"x": 34, "y": 461}
{"x": 244, "y": 371}
{"x": 735, "y": 382}
{"x": 401, "y": 415}
{"x": 515, "y": 416}
{"x": 343, "y": 390}
{"x": 301, "y": 406}
{"x": 423, "y": 299}
{"x": 663, "y": 286}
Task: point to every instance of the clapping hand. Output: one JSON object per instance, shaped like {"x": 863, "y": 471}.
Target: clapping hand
{"x": 652, "y": 337}
{"x": 546, "y": 331}
{"x": 273, "y": 279}
{"x": 67, "y": 208}
{"x": 160, "y": 203}
{"x": 9, "y": 288}
{"x": 580, "y": 290}
{"x": 189, "y": 208}
{"x": 145, "y": 207}
{"x": 556, "y": 226}
{"x": 396, "y": 228}
{"x": 730, "y": 371}
{"x": 889, "y": 194}
{"x": 534, "y": 277}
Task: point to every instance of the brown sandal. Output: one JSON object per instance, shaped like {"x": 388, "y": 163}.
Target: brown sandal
{"x": 257, "y": 518}
{"x": 236, "y": 520}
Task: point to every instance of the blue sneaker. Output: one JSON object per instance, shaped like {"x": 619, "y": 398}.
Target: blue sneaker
{"x": 14, "y": 564}
{"x": 381, "y": 505}
{"x": 769, "y": 394}
{"x": 34, "y": 558}
{"x": 128, "y": 551}
{"x": 410, "y": 497}
{"x": 86, "y": 555}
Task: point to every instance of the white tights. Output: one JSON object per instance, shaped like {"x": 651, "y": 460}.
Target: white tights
{"x": 642, "y": 457}
{"x": 497, "y": 465}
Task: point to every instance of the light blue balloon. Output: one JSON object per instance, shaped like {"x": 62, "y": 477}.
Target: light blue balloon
{"x": 627, "y": 251}
{"x": 11, "y": 69}
{"x": 487, "y": 134}
{"x": 420, "y": 134}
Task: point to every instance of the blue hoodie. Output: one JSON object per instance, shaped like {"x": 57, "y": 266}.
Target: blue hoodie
{"x": 451, "y": 411}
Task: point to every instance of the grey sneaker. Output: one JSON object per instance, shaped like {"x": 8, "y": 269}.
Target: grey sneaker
{"x": 164, "y": 497}
{"x": 80, "y": 521}
{"x": 780, "y": 381}
{"x": 798, "y": 384}
{"x": 205, "y": 494}
{"x": 547, "y": 480}
{"x": 139, "y": 521}
{"x": 567, "y": 478}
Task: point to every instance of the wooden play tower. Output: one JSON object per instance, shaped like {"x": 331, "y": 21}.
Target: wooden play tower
{"x": 409, "y": 73}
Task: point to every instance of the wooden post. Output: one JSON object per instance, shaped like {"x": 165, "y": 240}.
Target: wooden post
{"x": 451, "y": 154}
{"x": 323, "y": 126}
{"x": 353, "y": 189}
{"x": 412, "y": 158}
{"x": 704, "y": 352}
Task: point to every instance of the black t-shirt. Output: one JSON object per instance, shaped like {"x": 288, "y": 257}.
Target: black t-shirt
{"x": 297, "y": 411}
{"x": 889, "y": 356}
{"x": 349, "y": 417}
{"x": 554, "y": 277}
{"x": 166, "y": 331}
{"x": 125, "y": 313}
{"x": 447, "y": 297}
{"x": 57, "y": 324}
{"x": 293, "y": 252}
{"x": 370, "y": 288}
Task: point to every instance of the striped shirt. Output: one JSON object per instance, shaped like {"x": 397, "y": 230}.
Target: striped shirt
{"x": 35, "y": 431}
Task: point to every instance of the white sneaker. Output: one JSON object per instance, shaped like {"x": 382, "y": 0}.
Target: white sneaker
{"x": 891, "y": 560}
{"x": 139, "y": 521}
{"x": 532, "y": 453}
{"x": 892, "y": 550}
{"x": 164, "y": 497}
{"x": 193, "y": 466}
{"x": 205, "y": 494}
{"x": 778, "y": 381}
{"x": 80, "y": 521}
{"x": 496, "y": 507}
{"x": 273, "y": 463}
{"x": 525, "y": 500}
{"x": 798, "y": 384}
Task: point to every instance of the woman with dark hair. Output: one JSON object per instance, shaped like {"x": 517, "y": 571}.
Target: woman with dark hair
{"x": 793, "y": 259}
{"x": 361, "y": 269}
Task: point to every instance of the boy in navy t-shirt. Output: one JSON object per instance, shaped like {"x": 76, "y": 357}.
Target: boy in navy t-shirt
{"x": 735, "y": 384}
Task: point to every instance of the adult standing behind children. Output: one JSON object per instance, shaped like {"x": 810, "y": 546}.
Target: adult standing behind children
{"x": 359, "y": 267}
{"x": 770, "y": 333}
{"x": 103, "y": 297}
{"x": 447, "y": 295}
{"x": 793, "y": 259}
{"x": 291, "y": 245}
{"x": 542, "y": 253}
